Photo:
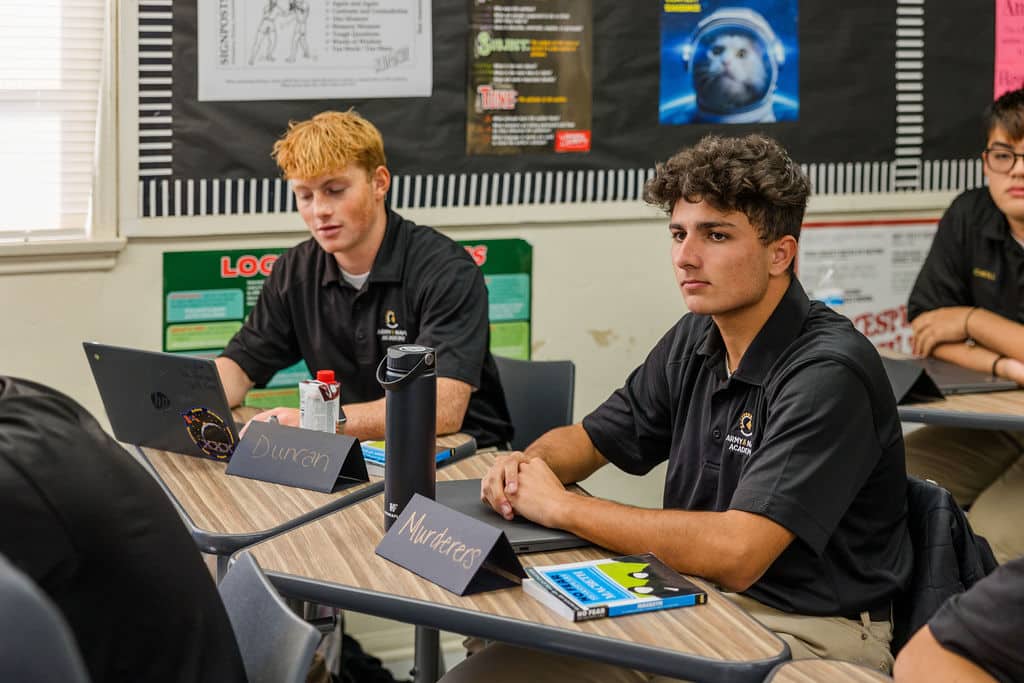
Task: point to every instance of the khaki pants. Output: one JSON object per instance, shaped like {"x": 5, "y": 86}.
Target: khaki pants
{"x": 864, "y": 642}
{"x": 983, "y": 469}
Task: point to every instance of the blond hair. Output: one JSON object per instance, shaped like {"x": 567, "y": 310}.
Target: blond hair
{"x": 327, "y": 142}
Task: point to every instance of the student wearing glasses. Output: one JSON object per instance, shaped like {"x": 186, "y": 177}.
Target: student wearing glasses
{"x": 967, "y": 307}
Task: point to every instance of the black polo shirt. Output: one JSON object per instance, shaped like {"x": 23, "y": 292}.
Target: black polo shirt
{"x": 974, "y": 261}
{"x": 93, "y": 529}
{"x": 986, "y": 624}
{"x": 423, "y": 289}
{"x": 805, "y": 433}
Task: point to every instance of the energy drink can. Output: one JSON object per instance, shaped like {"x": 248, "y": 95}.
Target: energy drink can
{"x": 320, "y": 402}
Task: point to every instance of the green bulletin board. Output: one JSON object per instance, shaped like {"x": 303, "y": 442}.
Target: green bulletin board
{"x": 207, "y": 295}
{"x": 508, "y": 269}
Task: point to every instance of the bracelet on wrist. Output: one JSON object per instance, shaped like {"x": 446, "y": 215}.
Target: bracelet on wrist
{"x": 995, "y": 363}
{"x": 967, "y": 319}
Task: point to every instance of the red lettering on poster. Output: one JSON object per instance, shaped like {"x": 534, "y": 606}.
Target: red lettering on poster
{"x": 874, "y": 324}
{"x": 479, "y": 254}
{"x": 247, "y": 266}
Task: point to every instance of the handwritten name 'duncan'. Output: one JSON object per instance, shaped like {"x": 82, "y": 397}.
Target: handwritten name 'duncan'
{"x": 439, "y": 541}
{"x": 303, "y": 457}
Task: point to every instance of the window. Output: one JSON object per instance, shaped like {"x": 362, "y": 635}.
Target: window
{"x": 52, "y": 57}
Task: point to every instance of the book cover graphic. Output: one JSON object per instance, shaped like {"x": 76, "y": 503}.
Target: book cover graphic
{"x": 620, "y": 585}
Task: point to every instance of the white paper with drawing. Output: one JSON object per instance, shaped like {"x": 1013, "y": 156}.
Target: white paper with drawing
{"x": 313, "y": 49}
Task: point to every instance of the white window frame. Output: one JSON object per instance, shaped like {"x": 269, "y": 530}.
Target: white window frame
{"x": 98, "y": 249}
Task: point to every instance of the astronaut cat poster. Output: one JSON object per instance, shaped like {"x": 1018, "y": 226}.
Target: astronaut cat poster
{"x": 729, "y": 61}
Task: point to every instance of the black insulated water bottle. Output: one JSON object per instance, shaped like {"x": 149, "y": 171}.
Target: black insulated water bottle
{"x": 410, "y": 426}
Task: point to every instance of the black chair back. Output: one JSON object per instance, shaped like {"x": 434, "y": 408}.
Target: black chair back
{"x": 539, "y": 394}
{"x": 37, "y": 644}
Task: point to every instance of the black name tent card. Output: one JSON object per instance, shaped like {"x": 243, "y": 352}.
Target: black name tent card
{"x": 304, "y": 458}
{"x": 446, "y": 547}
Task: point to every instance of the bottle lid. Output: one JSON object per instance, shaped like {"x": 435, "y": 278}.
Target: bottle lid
{"x": 407, "y": 356}
{"x": 325, "y": 376}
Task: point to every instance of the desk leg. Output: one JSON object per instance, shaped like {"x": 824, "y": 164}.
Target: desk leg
{"x": 428, "y": 647}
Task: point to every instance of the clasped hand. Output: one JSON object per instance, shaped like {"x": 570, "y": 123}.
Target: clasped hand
{"x": 516, "y": 484}
{"x": 940, "y": 326}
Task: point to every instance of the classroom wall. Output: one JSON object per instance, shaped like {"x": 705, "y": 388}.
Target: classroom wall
{"x": 603, "y": 294}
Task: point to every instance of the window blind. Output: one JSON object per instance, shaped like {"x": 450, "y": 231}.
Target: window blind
{"x": 51, "y": 58}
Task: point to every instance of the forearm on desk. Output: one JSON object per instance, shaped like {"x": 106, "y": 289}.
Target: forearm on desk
{"x": 367, "y": 420}
{"x": 731, "y": 548}
{"x": 569, "y": 453}
{"x": 980, "y": 358}
{"x": 999, "y": 334}
{"x": 233, "y": 378}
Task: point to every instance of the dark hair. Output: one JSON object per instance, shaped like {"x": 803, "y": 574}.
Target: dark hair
{"x": 753, "y": 175}
{"x": 1007, "y": 111}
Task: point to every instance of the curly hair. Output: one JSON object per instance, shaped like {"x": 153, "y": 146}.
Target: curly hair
{"x": 1008, "y": 112}
{"x": 327, "y": 142}
{"x": 753, "y": 175}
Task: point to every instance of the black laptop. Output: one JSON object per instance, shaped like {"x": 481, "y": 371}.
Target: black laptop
{"x": 918, "y": 380}
{"x": 163, "y": 400}
{"x": 525, "y": 536}
{"x": 954, "y": 379}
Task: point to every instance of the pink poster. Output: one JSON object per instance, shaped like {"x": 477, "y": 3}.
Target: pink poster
{"x": 1009, "y": 47}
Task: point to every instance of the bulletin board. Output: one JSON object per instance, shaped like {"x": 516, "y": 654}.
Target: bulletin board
{"x": 207, "y": 295}
{"x": 889, "y": 100}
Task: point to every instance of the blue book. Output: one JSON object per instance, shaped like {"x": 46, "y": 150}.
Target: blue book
{"x": 373, "y": 454}
{"x": 611, "y": 587}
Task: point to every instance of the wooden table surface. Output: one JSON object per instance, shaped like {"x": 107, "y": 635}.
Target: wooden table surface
{"x": 992, "y": 410}
{"x": 819, "y": 670}
{"x": 332, "y": 561}
{"x": 217, "y": 505}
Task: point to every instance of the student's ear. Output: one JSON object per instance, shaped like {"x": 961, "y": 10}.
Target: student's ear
{"x": 783, "y": 252}
{"x": 381, "y": 181}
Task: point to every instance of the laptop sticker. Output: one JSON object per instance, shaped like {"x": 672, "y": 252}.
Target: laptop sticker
{"x": 208, "y": 431}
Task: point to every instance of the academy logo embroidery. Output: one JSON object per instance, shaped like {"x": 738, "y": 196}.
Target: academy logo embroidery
{"x": 742, "y": 443}
{"x": 984, "y": 274}
{"x": 391, "y": 332}
{"x": 747, "y": 425}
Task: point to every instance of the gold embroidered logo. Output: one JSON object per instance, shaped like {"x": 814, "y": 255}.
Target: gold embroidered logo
{"x": 984, "y": 274}
{"x": 746, "y": 424}
{"x": 390, "y": 319}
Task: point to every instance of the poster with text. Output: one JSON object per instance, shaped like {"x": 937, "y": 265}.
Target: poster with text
{"x": 208, "y": 294}
{"x": 865, "y": 270}
{"x": 507, "y": 265}
{"x": 314, "y": 49}
{"x": 729, "y": 61}
{"x": 1009, "y": 56}
{"x": 530, "y": 75}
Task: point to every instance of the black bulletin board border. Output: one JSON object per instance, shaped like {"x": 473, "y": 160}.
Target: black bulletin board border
{"x": 873, "y": 117}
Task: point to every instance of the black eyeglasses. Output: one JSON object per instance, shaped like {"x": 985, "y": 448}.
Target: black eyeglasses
{"x": 1000, "y": 160}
